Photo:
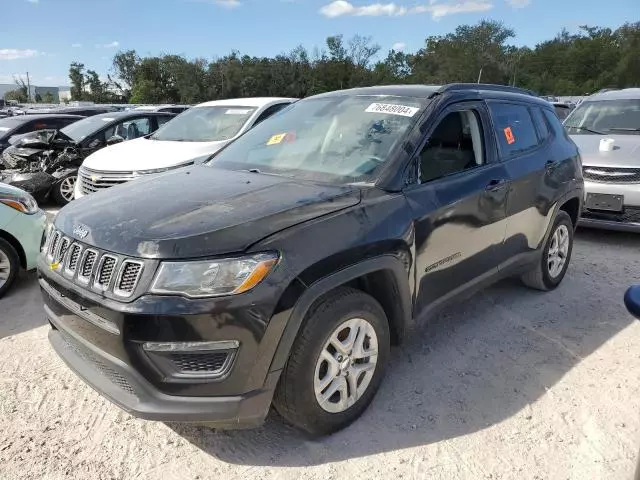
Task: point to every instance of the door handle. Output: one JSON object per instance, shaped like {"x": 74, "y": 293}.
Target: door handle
{"x": 495, "y": 184}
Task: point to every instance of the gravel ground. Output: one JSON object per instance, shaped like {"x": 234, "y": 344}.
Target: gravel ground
{"x": 510, "y": 383}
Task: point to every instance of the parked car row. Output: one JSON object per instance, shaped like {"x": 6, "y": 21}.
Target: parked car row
{"x": 45, "y": 162}
{"x": 190, "y": 138}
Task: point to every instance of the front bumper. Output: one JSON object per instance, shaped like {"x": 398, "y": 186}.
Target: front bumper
{"x": 627, "y": 220}
{"x": 115, "y": 363}
{"x": 123, "y": 386}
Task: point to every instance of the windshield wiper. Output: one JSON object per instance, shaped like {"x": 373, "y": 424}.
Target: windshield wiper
{"x": 624, "y": 129}
{"x": 585, "y": 129}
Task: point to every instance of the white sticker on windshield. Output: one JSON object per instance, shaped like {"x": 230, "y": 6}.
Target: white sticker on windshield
{"x": 237, "y": 111}
{"x": 108, "y": 119}
{"x": 392, "y": 109}
{"x": 4, "y": 129}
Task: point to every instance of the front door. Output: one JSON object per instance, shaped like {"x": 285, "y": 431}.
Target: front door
{"x": 459, "y": 205}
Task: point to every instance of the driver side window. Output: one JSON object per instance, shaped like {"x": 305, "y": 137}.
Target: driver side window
{"x": 455, "y": 145}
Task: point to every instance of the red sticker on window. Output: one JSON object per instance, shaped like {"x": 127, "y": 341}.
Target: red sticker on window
{"x": 508, "y": 134}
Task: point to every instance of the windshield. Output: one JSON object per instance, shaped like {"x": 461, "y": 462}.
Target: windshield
{"x": 338, "y": 139}
{"x": 81, "y": 129}
{"x": 205, "y": 124}
{"x": 607, "y": 116}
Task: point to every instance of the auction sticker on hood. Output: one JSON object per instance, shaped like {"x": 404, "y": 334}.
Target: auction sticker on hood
{"x": 276, "y": 139}
{"x": 392, "y": 109}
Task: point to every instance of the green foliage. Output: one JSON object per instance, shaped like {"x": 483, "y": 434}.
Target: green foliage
{"x": 569, "y": 64}
{"x": 19, "y": 95}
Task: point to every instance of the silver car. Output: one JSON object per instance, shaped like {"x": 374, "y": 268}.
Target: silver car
{"x": 606, "y": 128}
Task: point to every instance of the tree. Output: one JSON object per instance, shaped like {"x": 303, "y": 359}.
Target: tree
{"x": 124, "y": 66}
{"x": 48, "y": 97}
{"x": 76, "y": 77}
{"x": 585, "y": 61}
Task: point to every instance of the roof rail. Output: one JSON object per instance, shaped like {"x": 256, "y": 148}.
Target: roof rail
{"x": 486, "y": 86}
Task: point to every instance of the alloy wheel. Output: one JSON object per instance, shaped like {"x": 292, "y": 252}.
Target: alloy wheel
{"x": 67, "y": 187}
{"x": 558, "y": 251}
{"x": 5, "y": 268}
{"x": 346, "y": 365}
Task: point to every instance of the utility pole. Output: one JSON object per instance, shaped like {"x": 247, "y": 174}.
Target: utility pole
{"x": 480, "y": 74}
{"x": 28, "y": 89}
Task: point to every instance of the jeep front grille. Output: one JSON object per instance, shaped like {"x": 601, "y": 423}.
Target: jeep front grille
{"x": 100, "y": 271}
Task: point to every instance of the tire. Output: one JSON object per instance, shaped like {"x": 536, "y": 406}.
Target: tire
{"x": 295, "y": 397}
{"x": 542, "y": 277}
{"x": 9, "y": 266}
{"x": 60, "y": 192}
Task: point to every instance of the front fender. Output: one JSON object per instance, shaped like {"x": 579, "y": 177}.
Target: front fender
{"x": 388, "y": 263}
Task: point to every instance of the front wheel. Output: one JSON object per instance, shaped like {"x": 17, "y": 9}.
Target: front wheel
{"x": 63, "y": 192}
{"x": 336, "y": 363}
{"x": 556, "y": 255}
{"x": 9, "y": 266}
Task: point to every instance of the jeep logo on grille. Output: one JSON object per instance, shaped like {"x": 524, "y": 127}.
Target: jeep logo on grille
{"x": 81, "y": 231}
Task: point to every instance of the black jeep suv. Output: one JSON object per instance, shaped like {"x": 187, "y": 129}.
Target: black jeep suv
{"x": 281, "y": 271}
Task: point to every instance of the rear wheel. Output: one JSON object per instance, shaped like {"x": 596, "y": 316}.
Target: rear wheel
{"x": 336, "y": 363}
{"x": 556, "y": 255}
{"x": 63, "y": 192}
{"x": 9, "y": 266}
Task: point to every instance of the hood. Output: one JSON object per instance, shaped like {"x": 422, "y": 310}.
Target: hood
{"x": 148, "y": 154}
{"x": 625, "y": 153}
{"x": 198, "y": 211}
{"x": 42, "y": 140}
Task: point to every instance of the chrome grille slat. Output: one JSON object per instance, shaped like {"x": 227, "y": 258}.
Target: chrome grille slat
{"x": 128, "y": 278}
{"x": 86, "y": 265}
{"x": 93, "y": 268}
{"x": 105, "y": 270}
{"x": 61, "y": 250}
{"x": 71, "y": 262}
{"x": 53, "y": 244}
{"x": 93, "y": 180}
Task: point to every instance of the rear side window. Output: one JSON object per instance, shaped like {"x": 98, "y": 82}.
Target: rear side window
{"x": 541, "y": 124}
{"x": 269, "y": 112}
{"x": 556, "y": 126}
{"x": 163, "y": 119}
{"x": 514, "y": 128}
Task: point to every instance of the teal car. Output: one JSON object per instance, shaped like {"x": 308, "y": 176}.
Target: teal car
{"x": 22, "y": 226}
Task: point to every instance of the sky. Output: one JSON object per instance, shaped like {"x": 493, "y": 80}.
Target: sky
{"x": 43, "y": 37}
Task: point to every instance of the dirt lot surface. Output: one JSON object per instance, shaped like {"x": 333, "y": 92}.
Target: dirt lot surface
{"x": 509, "y": 384}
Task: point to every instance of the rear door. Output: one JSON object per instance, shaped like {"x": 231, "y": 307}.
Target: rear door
{"x": 458, "y": 203}
{"x": 525, "y": 148}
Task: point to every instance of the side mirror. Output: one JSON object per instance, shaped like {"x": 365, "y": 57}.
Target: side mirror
{"x": 115, "y": 139}
{"x": 632, "y": 300}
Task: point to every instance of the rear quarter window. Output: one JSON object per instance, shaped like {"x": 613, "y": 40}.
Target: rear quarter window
{"x": 514, "y": 128}
{"x": 554, "y": 123}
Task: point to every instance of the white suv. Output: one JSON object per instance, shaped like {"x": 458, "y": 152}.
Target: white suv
{"x": 191, "y": 137}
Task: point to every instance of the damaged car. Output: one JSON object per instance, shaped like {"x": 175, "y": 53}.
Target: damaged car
{"x": 11, "y": 128}
{"x": 45, "y": 163}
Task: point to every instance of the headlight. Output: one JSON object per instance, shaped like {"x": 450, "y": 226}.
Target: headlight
{"x": 213, "y": 277}
{"x": 21, "y": 201}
